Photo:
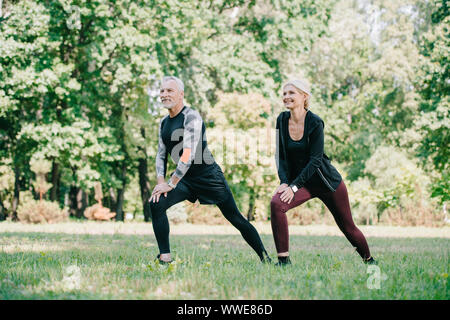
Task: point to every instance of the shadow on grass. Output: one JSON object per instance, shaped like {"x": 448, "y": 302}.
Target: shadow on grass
{"x": 103, "y": 244}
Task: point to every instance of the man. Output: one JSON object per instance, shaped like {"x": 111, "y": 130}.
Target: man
{"x": 197, "y": 175}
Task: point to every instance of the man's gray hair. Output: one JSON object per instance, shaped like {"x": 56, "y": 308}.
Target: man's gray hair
{"x": 178, "y": 81}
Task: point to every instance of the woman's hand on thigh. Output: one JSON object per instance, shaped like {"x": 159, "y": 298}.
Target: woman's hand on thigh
{"x": 287, "y": 195}
{"x": 281, "y": 188}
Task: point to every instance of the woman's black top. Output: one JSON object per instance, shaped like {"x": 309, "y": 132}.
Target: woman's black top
{"x": 303, "y": 163}
{"x": 294, "y": 149}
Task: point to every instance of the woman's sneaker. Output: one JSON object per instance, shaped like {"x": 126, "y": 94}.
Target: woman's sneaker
{"x": 283, "y": 261}
{"x": 371, "y": 260}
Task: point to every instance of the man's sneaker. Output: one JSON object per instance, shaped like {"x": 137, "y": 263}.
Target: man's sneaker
{"x": 371, "y": 260}
{"x": 161, "y": 261}
{"x": 283, "y": 261}
{"x": 265, "y": 258}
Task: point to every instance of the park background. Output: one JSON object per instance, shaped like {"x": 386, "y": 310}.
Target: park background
{"x": 79, "y": 115}
{"x": 79, "y": 102}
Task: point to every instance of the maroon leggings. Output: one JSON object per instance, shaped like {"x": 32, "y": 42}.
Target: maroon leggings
{"x": 337, "y": 202}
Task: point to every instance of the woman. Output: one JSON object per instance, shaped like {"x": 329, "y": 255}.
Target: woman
{"x": 305, "y": 172}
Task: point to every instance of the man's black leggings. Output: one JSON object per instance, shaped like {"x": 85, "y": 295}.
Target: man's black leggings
{"x": 227, "y": 207}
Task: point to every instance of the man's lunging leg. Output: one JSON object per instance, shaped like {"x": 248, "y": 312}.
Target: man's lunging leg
{"x": 159, "y": 217}
{"x": 248, "y": 231}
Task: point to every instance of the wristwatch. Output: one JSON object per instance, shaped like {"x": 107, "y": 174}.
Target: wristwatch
{"x": 294, "y": 188}
{"x": 170, "y": 184}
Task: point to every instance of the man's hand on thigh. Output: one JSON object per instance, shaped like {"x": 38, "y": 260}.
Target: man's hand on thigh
{"x": 155, "y": 197}
{"x": 159, "y": 189}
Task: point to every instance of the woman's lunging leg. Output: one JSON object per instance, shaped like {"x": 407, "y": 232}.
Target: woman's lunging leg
{"x": 338, "y": 203}
{"x": 278, "y": 218}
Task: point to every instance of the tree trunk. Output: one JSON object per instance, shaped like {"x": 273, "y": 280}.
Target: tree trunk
{"x": 251, "y": 207}
{"x": 144, "y": 182}
{"x": 73, "y": 200}
{"x": 56, "y": 177}
{"x": 81, "y": 203}
{"x": 120, "y": 194}
{"x": 16, "y": 198}
{"x": 119, "y": 206}
{"x": 112, "y": 200}
{"x": 2, "y": 211}
{"x": 145, "y": 188}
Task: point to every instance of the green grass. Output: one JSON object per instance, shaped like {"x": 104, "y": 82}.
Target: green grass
{"x": 120, "y": 266}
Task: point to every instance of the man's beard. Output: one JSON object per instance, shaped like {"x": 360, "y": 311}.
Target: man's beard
{"x": 169, "y": 105}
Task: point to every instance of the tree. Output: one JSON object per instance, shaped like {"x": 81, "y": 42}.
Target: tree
{"x": 432, "y": 85}
{"x": 242, "y": 141}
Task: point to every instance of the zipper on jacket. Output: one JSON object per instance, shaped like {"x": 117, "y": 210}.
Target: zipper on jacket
{"x": 325, "y": 180}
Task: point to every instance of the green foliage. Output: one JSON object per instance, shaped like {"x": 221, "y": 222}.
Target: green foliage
{"x": 75, "y": 79}
{"x": 41, "y": 167}
{"x": 433, "y": 86}
{"x": 397, "y": 180}
{"x": 177, "y": 213}
{"x": 79, "y": 147}
{"x": 6, "y": 176}
{"x": 242, "y": 142}
{"x": 240, "y": 111}
{"x": 6, "y": 184}
{"x": 362, "y": 74}
{"x": 364, "y": 199}
{"x": 133, "y": 203}
{"x": 441, "y": 189}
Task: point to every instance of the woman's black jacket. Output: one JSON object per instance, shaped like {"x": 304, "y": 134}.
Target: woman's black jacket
{"x": 317, "y": 166}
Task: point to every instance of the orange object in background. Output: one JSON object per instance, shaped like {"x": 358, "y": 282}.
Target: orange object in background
{"x": 98, "y": 212}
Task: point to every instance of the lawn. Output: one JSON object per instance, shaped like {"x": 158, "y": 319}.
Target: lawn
{"x": 87, "y": 260}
